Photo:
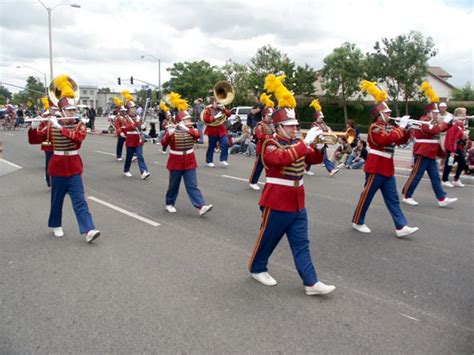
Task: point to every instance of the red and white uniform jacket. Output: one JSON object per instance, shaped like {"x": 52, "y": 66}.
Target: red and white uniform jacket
{"x": 33, "y": 137}
{"x": 427, "y": 139}
{"x": 284, "y": 162}
{"x": 208, "y": 116}
{"x": 131, "y": 128}
{"x": 263, "y": 131}
{"x": 66, "y": 142}
{"x": 181, "y": 149}
{"x": 119, "y": 125}
{"x": 382, "y": 138}
{"x": 455, "y": 137}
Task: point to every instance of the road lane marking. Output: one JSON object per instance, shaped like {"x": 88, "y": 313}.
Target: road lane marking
{"x": 106, "y": 153}
{"x": 409, "y": 317}
{"x": 125, "y": 212}
{"x": 9, "y": 134}
{"x": 12, "y": 164}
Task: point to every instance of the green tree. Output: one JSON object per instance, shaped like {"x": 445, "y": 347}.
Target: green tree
{"x": 466, "y": 93}
{"x": 304, "y": 80}
{"x": 193, "y": 80}
{"x": 30, "y": 96}
{"x": 104, "y": 91}
{"x": 238, "y": 76}
{"x": 5, "y": 95}
{"x": 342, "y": 72}
{"x": 402, "y": 63}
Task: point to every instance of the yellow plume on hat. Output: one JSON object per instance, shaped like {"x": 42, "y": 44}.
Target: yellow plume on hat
{"x": 274, "y": 85}
{"x": 117, "y": 102}
{"x": 126, "y": 95}
{"x": 63, "y": 84}
{"x": 45, "y": 102}
{"x": 373, "y": 90}
{"x": 429, "y": 92}
{"x": 176, "y": 101}
{"x": 164, "y": 107}
{"x": 316, "y": 105}
{"x": 266, "y": 100}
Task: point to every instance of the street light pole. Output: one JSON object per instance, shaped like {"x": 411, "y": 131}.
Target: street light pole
{"x": 39, "y": 71}
{"x": 159, "y": 72}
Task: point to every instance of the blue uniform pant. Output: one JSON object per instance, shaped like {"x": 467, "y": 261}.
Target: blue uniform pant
{"x": 138, "y": 151}
{"x": 257, "y": 170}
{"x": 212, "y": 145}
{"x": 201, "y": 127}
{"x": 190, "y": 182}
{"x": 274, "y": 225}
{"x": 388, "y": 186}
{"x": 72, "y": 185}
{"x": 423, "y": 164}
{"x": 119, "y": 149}
{"x": 47, "y": 157}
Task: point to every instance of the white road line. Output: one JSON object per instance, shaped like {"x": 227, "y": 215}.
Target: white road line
{"x": 240, "y": 179}
{"x": 409, "y": 317}
{"x": 106, "y": 153}
{"x": 9, "y": 134}
{"x": 128, "y": 213}
{"x": 12, "y": 164}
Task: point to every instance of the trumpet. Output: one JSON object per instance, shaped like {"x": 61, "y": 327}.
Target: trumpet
{"x": 416, "y": 124}
{"x": 44, "y": 119}
{"x": 333, "y": 137}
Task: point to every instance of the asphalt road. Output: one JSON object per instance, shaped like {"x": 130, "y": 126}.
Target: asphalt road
{"x": 182, "y": 286}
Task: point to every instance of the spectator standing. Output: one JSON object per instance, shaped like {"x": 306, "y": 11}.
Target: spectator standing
{"x": 198, "y": 108}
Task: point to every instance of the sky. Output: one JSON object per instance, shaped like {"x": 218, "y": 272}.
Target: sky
{"x": 105, "y": 39}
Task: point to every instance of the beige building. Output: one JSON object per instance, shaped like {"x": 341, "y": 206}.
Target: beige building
{"x": 88, "y": 95}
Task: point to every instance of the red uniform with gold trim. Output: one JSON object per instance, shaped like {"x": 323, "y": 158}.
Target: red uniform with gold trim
{"x": 263, "y": 131}
{"x": 33, "y": 137}
{"x": 119, "y": 124}
{"x": 454, "y": 135}
{"x": 131, "y": 128}
{"x": 181, "y": 145}
{"x": 65, "y": 143}
{"x": 382, "y": 138}
{"x": 284, "y": 159}
{"x": 208, "y": 116}
{"x": 427, "y": 139}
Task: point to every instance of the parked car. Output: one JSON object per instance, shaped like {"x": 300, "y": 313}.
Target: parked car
{"x": 242, "y": 112}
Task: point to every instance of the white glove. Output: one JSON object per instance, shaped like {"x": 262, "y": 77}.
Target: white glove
{"x": 404, "y": 122}
{"x": 123, "y": 135}
{"x": 182, "y": 127}
{"x": 218, "y": 115}
{"x": 448, "y": 119}
{"x": 171, "y": 130}
{"x": 312, "y": 134}
{"x": 320, "y": 146}
{"x": 35, "y": 124}
{"x": 54, "y": 122}
{"x": 143, "y": 126}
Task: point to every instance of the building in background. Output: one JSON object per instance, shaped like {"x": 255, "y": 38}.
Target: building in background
{"x": 88, "y": 95}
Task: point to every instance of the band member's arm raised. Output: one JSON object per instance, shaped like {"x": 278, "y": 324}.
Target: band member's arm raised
{"x": 313, "y": 155}
{"x": 260, "y": 132}
{"x": 77, "y": 135}
{"x": 194, "y": 133}
{"x": 383, "y": 138}
{"x": 273, "y": 155}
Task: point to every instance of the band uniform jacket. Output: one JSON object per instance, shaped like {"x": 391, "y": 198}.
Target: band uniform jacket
{"x": 208, "y": 116}
{"x": 263, "y": 131}
{"x": 427, "y": 139}
{"x": 181, "y": 145}
{"x": 34, "y": 139}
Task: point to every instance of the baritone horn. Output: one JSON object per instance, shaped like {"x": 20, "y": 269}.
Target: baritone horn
{"x": 224, "y": 93}
{"x": 332, "y": 137}
{"x": 54, "y": 92}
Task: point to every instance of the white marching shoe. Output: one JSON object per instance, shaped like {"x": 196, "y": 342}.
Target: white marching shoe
{"x": 309, "y": 173}
{"x": 319, "y": 288}
{"x": 447, "y": 201}
{"x": 211, "y": 165}
{"x": 145, "y": 175}
{"x": 409, "y": 201}
{"x": 264, "y": 278}
{"x": 171, "y": 209}
{"x": 361, "y": 228}
{"x": 333, "y": 172}
{"x": 224, "y": 163}
{"x": 204, "y": 209}
{"x": 447, "y": 184}
{"x": 406, "y": 231}
{"x": 119, "y": 159}
{"x": 92, "y": 235}
{"x": 457, "y": 183}
{"x": 254, "y": 187}
{"x": 58, "y": 232}
{"x": 128, "y": 174}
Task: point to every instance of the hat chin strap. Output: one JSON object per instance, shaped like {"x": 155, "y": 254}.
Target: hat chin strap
{"x": 283, "y": 132}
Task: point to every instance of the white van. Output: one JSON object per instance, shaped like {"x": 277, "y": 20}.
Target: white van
{"x": 242, "y": 112}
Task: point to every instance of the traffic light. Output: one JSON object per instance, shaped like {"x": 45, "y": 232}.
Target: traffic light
{"x": 131, "y": 80}
{"x": 119, "y": 81}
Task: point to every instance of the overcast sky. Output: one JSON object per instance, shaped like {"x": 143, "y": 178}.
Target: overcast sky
{"x": 105, "y": 39}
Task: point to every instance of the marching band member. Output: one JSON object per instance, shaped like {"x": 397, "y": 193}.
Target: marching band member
{"x": 263, "y": 131}
{"x": 49, "y": 110}
{"x": 282, "y": 200}
{"x": 119, "y": 124}
{"x": 181, "y": 136}
{"x": 455, "y": 143}
{"x": 166, "y": 114}
{"x": 426, "y": 149}
{"x": 215, "y": 134}
{"x": 319, "y": 122}
{"x": 379, "y": 167}
{"x": 65, "y": 166}
{"x": 133, "y": 138}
